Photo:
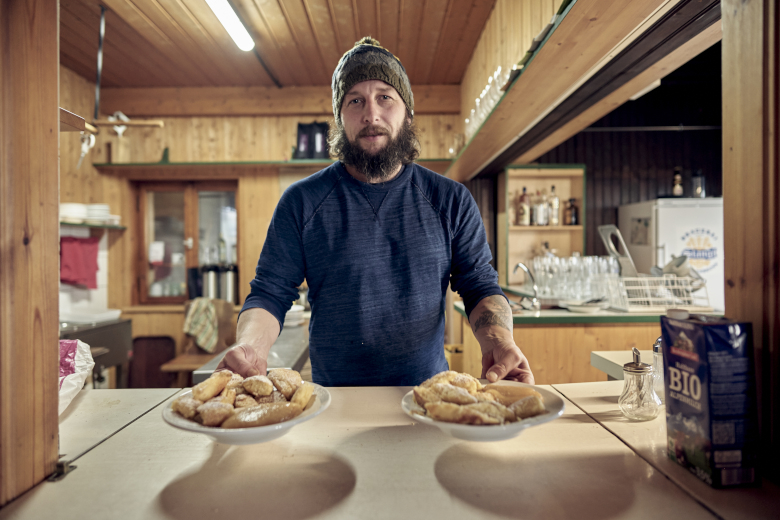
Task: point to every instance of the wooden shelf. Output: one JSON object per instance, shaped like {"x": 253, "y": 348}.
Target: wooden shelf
{"x": 545, "y": 172}
{"x": 177, "y": 171}
{"x": 544, "y": 229}
{"x": 576, "y": 46}
{"x": 70, "y": 122}
{"x": 98, "y": 226}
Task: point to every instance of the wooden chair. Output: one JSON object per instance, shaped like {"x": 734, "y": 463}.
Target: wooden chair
{"x": 192, "y": 356}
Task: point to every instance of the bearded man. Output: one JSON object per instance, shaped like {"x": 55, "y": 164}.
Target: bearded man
{"x": 378, "y": 239}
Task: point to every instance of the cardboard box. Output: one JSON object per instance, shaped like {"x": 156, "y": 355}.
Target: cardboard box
{"x": 711, "y": 408}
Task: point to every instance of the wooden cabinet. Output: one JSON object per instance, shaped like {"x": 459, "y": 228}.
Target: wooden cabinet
{"x": 518, "y": 243}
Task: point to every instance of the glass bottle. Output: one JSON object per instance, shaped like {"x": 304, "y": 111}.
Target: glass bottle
{"x": 658, "y": 369}
{"x": 555, "y": 208}
{"x": 222, "y": 250}
{"x": 539, "y": 209}
{"x": 524, "y": 210}
{"x": 571, "y": 214}
{"x": 677, "y": 190}
{"x": 638, "y": 400}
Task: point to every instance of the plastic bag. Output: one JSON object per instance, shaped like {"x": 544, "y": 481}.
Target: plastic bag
{"x": 76, "y": 364}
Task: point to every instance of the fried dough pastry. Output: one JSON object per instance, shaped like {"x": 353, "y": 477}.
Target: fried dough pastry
{"x": 236, "y": 384}
{"x": 302, "y": 395}
{"x": 258, "y": 386}
{"x": 467, "y": 382}
{"x": 423, "y": 395}
{"x": 212, "y": 386}
{"x": 187, "y": 407}
{"x": 214, "y": 413}
{"x": 526, "y": 407}
{"x": 454, "y": 413}
{"x": 453, "y": 394}
{"x": 262, "y": 415}
{"x": 442, "y": 377}
{"x": 285, "y": 380}
{"x": 228, "y": 395}
{"x": 245, "y": 401}
{"x": 508, "y": 394}
{"x": 495, "y": 410}
{"x": 484, "y": 397}
{"x": 275, "y": 397}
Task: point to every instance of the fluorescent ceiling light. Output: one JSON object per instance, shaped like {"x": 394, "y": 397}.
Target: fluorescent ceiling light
{"x": 232, "y": 24}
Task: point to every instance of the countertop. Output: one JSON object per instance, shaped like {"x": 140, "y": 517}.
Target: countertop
{"x": 648, "y": 440}
{"x": 553, "y": 316}
{"x": 290, "y": 350}
{"x": 362, "y": 458}
{"x": 611, "y": 361}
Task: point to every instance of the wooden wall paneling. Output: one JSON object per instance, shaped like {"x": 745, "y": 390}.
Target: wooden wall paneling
{"x": 366, "y": 19}
{"x": 306, "y": 41}
{"x": 184, "y": 33}
{"x": 479, "y": 13}
{"x": 322, "y": 27}
{"x": 560, "y": 353}
{"x": 751, "y": 180}
{"x": 29, "y": 236}
{"x": 434, "y": 14}
{"x": 256, "y": 101}
{"x": 388, "y": 25}
{"x": 204, "y": 28}
{"x": 147, "y": 28}
{"x": 78, "y": 32}
{"x": 507, "y": 35}
{"x": 255, "y": 203}
{"x": 288, "y": 47}
{"x": 123, "y": 47}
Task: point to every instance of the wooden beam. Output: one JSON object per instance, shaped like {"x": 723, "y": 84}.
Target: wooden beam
{"x": 589, "y": 31}
{"x": 29, "y": 241}
{"x": 751, "y": 196}
{"x": 70, "y": 122}
{"x": 159, "y": 123}
{"x": 661, "y": 69}
{"x": 255, "y": 101}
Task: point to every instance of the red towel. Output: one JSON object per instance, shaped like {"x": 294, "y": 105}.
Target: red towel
{"x": 78, "y": 261}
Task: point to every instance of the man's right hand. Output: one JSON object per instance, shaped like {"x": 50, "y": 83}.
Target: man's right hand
{"x": 243, "y": 360}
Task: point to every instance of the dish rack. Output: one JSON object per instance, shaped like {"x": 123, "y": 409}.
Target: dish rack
{"x": 657, "y": 294}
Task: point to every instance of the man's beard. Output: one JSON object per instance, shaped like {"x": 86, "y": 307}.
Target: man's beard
{"x": 379, "y": 166}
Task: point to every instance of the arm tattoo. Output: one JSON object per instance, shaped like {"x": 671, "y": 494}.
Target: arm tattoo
{"x": 497, "y": 313}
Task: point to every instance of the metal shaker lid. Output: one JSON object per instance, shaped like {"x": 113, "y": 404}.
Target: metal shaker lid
{"x": 657, "y": 345}
{"x": 636, "y": 366}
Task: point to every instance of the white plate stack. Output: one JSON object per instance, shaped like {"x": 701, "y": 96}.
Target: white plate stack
{"x": 73, "y": 213}
{"x": 97, "y": 214}
{"x": 294, "y": 316}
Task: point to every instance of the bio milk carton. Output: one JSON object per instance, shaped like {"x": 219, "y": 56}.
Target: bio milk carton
{"x": 711, "y": 409}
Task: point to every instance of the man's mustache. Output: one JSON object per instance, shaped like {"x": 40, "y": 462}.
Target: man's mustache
{"x": 372, "y": 130}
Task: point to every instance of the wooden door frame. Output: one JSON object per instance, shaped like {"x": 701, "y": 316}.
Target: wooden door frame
{"x": 751, "y": 196}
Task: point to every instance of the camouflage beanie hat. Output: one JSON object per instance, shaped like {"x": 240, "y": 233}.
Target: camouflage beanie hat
{"x": 369, "y": 60}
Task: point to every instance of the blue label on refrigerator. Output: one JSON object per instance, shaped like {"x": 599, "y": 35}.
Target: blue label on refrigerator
{"x": 700, "y": 246}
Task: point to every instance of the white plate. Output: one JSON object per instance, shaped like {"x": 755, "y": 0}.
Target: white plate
{"x": 497, "y": 432}
{"x": 584, "y": 309}
{"x": 255, "y": 435}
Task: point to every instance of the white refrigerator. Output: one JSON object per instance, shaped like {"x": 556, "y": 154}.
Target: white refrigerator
{"x": 657, "y": 229}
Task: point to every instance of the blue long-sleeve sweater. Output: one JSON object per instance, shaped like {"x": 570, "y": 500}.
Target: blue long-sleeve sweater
{"x": 377, "y": 259}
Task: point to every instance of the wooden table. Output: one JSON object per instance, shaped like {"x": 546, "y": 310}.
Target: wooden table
{"x": 184, "y": 364}
{"x": 648, "y": 440}
{"x": 362, "y": 458}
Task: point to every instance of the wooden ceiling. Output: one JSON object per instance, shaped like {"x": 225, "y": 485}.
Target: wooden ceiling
{"x": 167, "y": 43}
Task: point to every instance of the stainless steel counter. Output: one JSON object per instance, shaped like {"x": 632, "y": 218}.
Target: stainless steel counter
{"x": 291, "y": 350}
